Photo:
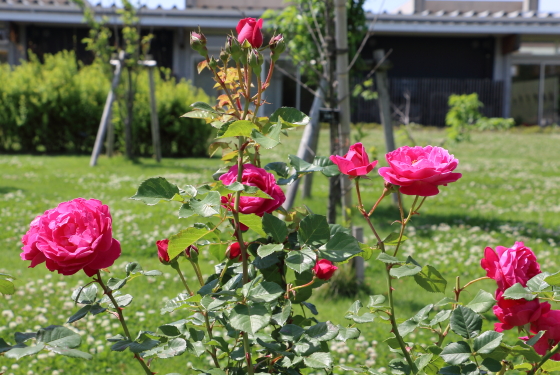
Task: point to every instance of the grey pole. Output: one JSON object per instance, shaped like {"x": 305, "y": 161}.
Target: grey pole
{"x": 151, "y": 64}
{"x": 105, "y": 118}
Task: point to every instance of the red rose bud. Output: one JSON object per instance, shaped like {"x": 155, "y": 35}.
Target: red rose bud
{"x": 224, "y": 56}
{"x": 213, "y": 63}
{"x": 250, "y": 29}
{"x": 277, "y": 45}
{"x": 233, "y": 252}
{"x": 355, "y": 163}
{"x": 194, "y": 254}
{"x": 255, "y": 61}
{"x": 198, "y": 43}
{"x": 162, "y": 246}
{"x": 324, "y": 269}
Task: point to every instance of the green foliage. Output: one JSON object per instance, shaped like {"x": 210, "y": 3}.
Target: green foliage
{"x": 56, "y": 107}
{"x": 495, "y": 123}
{"x": 463, "y": 114}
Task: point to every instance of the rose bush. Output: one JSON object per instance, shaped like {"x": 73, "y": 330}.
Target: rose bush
{"x": 420, "y": 170}
{"x": 76, "y": 235}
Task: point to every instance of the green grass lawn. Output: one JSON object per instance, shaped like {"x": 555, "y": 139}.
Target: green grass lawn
{"x": 510, "y": 191}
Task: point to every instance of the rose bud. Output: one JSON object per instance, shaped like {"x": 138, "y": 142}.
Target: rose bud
{"x": 255, "y": 61}
{"x": 250, "y": 29}
{"x": 420, "y": 170}
{"x": 213, "y": 63}
{"x": 324, "y": 269}
{"x": 234, "y": 49}
{"x": 162, "y": 246}
{"x": 355, "y": 163}
{"x": 198, "y": 43}
{"x": 233, "y": 252}
{"x": 193, "y": 255}
{"x": 224, "y": 56}
{"x": 277, "y": 45}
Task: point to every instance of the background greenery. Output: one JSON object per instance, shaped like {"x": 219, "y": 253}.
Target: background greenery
{"x": 509, "y": 192}
{"x": 56, "y": 106}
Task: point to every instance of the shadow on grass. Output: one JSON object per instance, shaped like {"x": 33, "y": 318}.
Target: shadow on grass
{"x": 385, "y": 215}
{"x": 8, "y": 189}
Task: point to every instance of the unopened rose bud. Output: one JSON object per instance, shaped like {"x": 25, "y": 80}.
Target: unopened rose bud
{"x": 163, "y": 256}
{"x": 191, "y": 252}
{"x": 233, "y": 252}
{"x": 213, "y": 63}
{"x": 324, "y": 269}
{"x": 255, "y": 61}
{"x": 277, "y": 45}
{"x": 233, "y": 47}
{"x": 198, "y": 43}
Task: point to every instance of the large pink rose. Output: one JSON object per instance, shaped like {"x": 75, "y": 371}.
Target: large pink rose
{"x": 516, "y": 313}
{"x": 76, "y": 235}
{"x": 254, "y": 176}
{"x": 250, "y": 29}
{"x": 510, "y": 266}
{"x": 355, "y": 163}
{"x": 549, "y": 322}
{"x": 420, "y": 170}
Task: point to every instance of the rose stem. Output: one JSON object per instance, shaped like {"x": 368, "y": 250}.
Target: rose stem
{"x": 553, "y": 351}
{"x": 403, "y": 221}
{"x": 224, "y": 87}
{"x": 389, "y": 282}
{"x": 177, "y": 268}
{"x": 109, "y": 294}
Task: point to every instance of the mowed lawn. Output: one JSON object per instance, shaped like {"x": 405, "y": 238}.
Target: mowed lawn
{"x": 510, "y": 191}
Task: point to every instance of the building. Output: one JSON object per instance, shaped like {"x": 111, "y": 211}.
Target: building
{"x": 507, "y": 51}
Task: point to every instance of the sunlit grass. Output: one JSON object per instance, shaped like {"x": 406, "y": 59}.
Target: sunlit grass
{"x": 509, "y": 192}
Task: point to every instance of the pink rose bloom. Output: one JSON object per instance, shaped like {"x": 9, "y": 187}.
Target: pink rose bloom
{"x": 510, "y": 266}
{"x": 324, "y": 269}
{"x": 548, "y": 322}
{"x": 250, "y": 29}
{"x": 355, "y": 163}
{"x": 254, "y": 176}
{"x": 420, "y": 170}
{"x": 74, "y": 236}
{"x": 517, "y": 313}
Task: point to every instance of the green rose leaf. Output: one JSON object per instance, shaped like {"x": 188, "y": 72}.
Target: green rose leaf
{"x": 431, "y": 280}
{"x": 319, "y": 360}
{"x": 376, "y": 301}
{"x": 301, "y": 260}
{"x": 265, "y": 250}
{"x": 302, "y": 166}
{"x": 154, "y": 190}
{"x": 254, "y": 222}
{"x": 347, "y": 333}
{"x": 517, "y": 291}
{"x": 175, "y": 347}
{"x": 270, "y": 140}
{"x": 59, "y": 336}
{"x": 204, "y": 107}
{"x": 6, "y": 286}
{"x": 487, "y": 342}
{"x": 274, "y": 227}
{"x": 323, "y": 331}
{"x": 250, "y": 318}
{"x": 241, "y": 128}
{"x": 553, "y": 279}
{"x": 265, "y": 292}
{"x": 456, "y": 353}
{"x": 526, "y": 351}
{"x": 209, "y": 206}
{"x": 283, "y": 316}
{"x": 385, "y": 258}
{"x": 482, "y": 302}
{"x": 393, "y": 239}
{"x": 72, "y": 353}
{"x": 405, "y": 270}
{"x": 340, "y": 248}
{"x": 289, "y": 117}
{"x": 465, "y": 322}
{"x": 85, "y": 295}
{"x": 185, "y": 238}
{"x": 79, "y": 314}
{"x": 17, "y": 353}
{"x": 281, "y": 168}
{"x": 537, "y": 283}
{"x": 314, "y": 231}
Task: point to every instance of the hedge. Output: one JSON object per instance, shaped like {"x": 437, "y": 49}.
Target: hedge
{"x": 55, "y": 107}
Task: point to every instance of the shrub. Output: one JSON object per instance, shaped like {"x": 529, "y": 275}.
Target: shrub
{"x": 56, "y": 107}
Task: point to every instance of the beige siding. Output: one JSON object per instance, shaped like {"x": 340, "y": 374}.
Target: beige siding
{"x": 255, "y": 4}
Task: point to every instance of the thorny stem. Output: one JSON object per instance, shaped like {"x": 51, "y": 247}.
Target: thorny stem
{"x": 457, "y": 292}
{"x": 240, "y": 77}
{"x": 269, "y": 76}
{"x": 474, "y": 281}
{"x": 239, "y": 235}
{"x": 392, "y": 318}
{"x": 120, "y": 314}
{"x": 224, "y": 87}
{"x": 366, "y": 216}
{"x": 248, "y": 71}
{"x": 198, "y": 272}
{"x": 403, "y": 221}
{"x": 259, "y": 93}
{"x": 213, "y": 354}
{"x": 385, "y": 192}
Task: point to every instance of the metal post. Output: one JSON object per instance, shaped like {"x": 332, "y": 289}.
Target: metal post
{"x": 153, "y": 111}
{"x": 540, "y": 117}
{"x": 298, "y": 87}
{"x": 107, "y": 110}
{"x": 358, "y": 233}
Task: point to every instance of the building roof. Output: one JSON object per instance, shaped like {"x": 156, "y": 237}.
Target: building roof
{"x": 457, "y": 22}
